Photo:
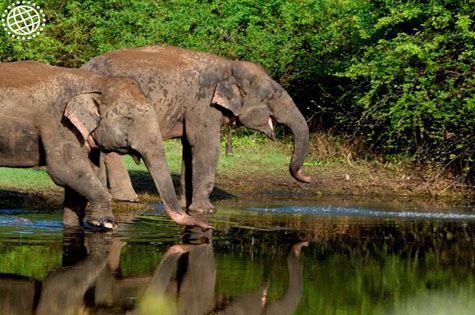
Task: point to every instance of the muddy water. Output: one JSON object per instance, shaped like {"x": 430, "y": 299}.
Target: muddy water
{"x": 269, "y": 255}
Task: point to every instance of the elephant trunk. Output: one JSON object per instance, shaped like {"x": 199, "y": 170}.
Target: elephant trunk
{"x": 288, "y": 114}
{"x": 163, "y": 182}
{"x": 154, "y": 157}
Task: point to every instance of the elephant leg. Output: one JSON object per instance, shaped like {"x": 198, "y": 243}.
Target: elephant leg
{"x": 70, "y": 165}
{"x": 100, "y": 167}
{"x": 120, "y": 184}
{"x": 185, "y": 179}
{"x": 204, "y": 162}
{"x": 74, "y": 208}
{"x": 76, "y": 174}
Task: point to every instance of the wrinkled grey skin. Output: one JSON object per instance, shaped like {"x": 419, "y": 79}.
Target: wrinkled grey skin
{"x": 194, "y": 94}
{"x": 63, "y": 118}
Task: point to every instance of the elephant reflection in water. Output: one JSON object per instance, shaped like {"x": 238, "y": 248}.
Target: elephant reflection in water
{"x": 195, "y": 281}
{"x": 85, "y": 258}
{"x": 64, "y": 289}
{"x": 86, "y": 283}
{"x": 256, "y": 302}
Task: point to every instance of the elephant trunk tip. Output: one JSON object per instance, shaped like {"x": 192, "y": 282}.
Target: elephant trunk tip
{"x": 298, "y": 175}
{"x": 296, "y": 249}
{"x": 182, "y": 218}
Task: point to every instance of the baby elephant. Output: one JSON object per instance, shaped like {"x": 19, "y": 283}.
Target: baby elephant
{"x": 63, "y": 118}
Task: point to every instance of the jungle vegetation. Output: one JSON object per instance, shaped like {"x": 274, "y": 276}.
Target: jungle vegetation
{"x": 396, "y": 77}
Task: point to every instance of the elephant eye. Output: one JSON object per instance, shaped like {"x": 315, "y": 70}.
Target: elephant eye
{"x": 127, "y": 120}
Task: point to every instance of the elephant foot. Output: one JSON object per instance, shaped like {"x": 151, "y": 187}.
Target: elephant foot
{"x": 124, "y": 195}
{"x": 202, "y": 207}
{"x": 106, "y": 223}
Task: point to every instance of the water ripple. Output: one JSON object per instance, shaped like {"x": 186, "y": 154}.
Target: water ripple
{"x": 343, "y": 211}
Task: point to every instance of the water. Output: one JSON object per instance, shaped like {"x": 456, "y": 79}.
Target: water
{"x": 274, "y": 255}
{"x": 343, "y": 211}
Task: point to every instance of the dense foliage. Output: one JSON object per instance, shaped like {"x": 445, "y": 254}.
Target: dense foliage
{"x": 399, "y": 74}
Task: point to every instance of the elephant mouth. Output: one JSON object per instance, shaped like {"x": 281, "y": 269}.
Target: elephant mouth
{"x": 270, "y": 124}
{"x": 135, "y": 156}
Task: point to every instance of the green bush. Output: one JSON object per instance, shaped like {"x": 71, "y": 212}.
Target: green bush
{"x": 413, "y": 78}
{"x": 399, "y": 74}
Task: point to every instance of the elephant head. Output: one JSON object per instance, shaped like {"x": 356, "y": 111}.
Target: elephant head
{"x": 115, "y": 116}
{"x": 256, "y": 100}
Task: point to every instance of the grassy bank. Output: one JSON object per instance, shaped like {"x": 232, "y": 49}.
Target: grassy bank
{"x": 258, "y": 165}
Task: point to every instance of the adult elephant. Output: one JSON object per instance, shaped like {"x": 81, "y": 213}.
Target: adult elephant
{"x": 194, "y": 94}
{"x": 63, "y": 118}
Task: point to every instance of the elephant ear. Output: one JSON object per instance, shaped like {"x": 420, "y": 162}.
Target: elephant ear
{"x": 228, "y": 95}
{"x": 83, "y": 112}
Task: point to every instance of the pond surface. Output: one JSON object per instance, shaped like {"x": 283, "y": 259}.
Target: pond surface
{"x": 269, "y": 255}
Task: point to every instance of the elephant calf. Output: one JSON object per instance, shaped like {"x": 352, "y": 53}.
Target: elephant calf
{"x": 63, "y": 118}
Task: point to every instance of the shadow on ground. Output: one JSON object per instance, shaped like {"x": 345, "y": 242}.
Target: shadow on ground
{"x": 10, "y": 199}
{"x": 51, "y": 200}
{"x": 143, "y": 183}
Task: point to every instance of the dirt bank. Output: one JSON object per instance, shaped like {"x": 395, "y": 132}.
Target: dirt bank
{"x": 362, "y": 181}
{"x": 359, "y": 180}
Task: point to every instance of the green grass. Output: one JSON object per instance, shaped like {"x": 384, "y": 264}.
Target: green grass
{"x": 255, "y": 154}
{"x": 173, "y": 151}
{"x": 252, "y": 154}
{"x": 30, "y": 260}
{"x": 254, "y": 157}
{"x": 25, "y": 179}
